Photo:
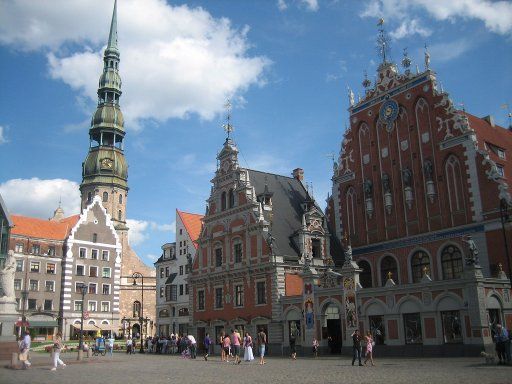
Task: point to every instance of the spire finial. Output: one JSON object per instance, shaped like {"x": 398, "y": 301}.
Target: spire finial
{"x": 427, "y": 58}
{"x": 228, "y": 127}
{"x": 366, "y": 82}
{"x": 112, "y": 37}
{"x": 382, "y": 42}
{"x": 406, "y": 61}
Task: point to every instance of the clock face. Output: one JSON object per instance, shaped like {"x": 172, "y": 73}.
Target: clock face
{"x": 107, "y": 163}
{"x": 388, "y": 113}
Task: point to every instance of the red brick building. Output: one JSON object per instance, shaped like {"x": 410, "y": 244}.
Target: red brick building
{"x": 418, "y": 189}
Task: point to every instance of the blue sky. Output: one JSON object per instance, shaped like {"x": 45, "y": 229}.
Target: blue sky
{"x": 285, "y": 64}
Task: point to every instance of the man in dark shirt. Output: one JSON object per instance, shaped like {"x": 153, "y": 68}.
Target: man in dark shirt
{"x": 356, "y": 346}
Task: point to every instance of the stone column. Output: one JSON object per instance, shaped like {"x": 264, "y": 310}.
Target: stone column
{"x": 309, "y": 308}
{"x": 350, "y": 273}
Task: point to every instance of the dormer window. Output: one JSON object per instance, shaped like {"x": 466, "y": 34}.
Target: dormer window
{"x": 316, "y": 248}
{"x": 501, "y": 153}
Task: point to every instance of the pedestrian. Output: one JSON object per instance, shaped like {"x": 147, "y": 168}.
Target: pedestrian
{"x": 369, "y": 348}
{"x": 226, "y": 345}
{"x": 292, "y": 339}
{"x": 129, "y": 345}
{"x": 207, "y": 343}
{"x": 57, "y": 347}
{"x": 315, "y": 347}
{"x": 248, "y": 355}
{"x": 356, "y": 347}
{"x": 501, "y": 338}
{"x": 236, "y": 341}
{"x": 262, "y": 344}
{"x": 24, "y": 350}
{"x": 111, "y": 341}
{"x": 193, "y": 346}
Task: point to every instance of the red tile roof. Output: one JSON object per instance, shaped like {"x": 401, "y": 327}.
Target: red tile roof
{"x": 192, "y": 223}
{"x": 43, "y": 229}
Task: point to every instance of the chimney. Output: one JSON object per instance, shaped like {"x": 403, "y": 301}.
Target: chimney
{"x": 298, "y": 173}
{"x": 490, "y": 120}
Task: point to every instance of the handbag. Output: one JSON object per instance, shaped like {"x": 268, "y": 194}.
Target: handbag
{"x": 23, "y": 356}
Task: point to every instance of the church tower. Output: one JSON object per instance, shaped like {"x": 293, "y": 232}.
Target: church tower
{"x": 105, "y": 171}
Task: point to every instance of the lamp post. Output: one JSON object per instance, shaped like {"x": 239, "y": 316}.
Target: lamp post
{"x": 506, "y": 219}
{"x": 83, "y": 291}
{"x": 123, "y": 322}
{"x": 24, "y": 297}
{"x": 140, "y": 276}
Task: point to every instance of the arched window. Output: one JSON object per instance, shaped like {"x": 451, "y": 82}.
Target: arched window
{"x": 365, "y": 277}
{"x": 387, "y": 265}
{"x": 451, "y": 262}
{"x": 119, "y": 215}
{"x": 136, "y": 309}
{"x": 231, "y": 199}
{"x": 419, "y": 261}
{"x": 351, "y": 211}
{"x": 105, "y": 197}
{"x": 89, "y": 197}
{"x": 223, "y": 201}
{"x": 120, "y": 198}
{"x": 454, "y": 184}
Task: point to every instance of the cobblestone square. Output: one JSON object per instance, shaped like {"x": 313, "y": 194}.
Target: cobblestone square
{"x": 128, "y": 369}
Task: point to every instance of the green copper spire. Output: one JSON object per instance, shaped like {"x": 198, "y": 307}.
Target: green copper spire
{"x": 105, "y": 167}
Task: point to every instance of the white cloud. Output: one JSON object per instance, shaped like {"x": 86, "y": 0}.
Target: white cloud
{"x": 152, "y": 257}
{"x": 175, "y": 60}
{"x": 448, "y": 51}
{"x": 281, "y": 5}
{"x": 496, "y": 15}
{"x": 140, "y": 230}
{"x": 408, "y": 28}
{"x": 311, "y": 5}
{"x": 3, "y": 140}
{"x": 39, "y": 198}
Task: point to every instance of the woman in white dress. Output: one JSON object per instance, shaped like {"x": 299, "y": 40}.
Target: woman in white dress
{"x": 248, "y": 356}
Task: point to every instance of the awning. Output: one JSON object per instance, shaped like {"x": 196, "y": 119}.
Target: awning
{"x": 171, "y": 278}
{"x": 87, "y": 327}
{"x": 108, "y": 327}
{"x": 42, "y": 324}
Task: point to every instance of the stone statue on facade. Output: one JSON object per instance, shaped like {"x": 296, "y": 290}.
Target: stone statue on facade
{"x": 407, "y": 177}
{"x": 270, "y": 243}
{"x": 368, "y": 187}
{"x": 428, "y": 168}
{"x": 472, "y": 258}
{"x": 385, "y": 183}
{"x": 7, "y": 277}
{"x": 351, "y": 98}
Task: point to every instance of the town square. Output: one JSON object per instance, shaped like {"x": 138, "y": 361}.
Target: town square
{"x": 260, "y": 191}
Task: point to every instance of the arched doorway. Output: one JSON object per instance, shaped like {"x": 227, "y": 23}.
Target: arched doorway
{"x": 135, "y": 330}
{"x": 331, "y": 327}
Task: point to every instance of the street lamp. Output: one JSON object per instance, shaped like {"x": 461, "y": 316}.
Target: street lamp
{"x": 24, "y": 297}
{"x": 506, "y": 219}
{"x": 83, "y": 291}
{"x": 140, "y": 276}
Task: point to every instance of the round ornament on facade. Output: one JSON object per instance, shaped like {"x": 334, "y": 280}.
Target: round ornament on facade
{"x": 408, "y": 96}
{"x": 370, "y": 113}
{"x": 388, "y": 113}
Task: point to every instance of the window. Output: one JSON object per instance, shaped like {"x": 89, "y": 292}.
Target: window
{"x": 105, "y": 306}
{"x": 48, "y": 305}
{"x": 218, "y": 297}
{"x": 200, "y": 300}
{"x": 261, "y": 297}
{"x": 18, "y": 304}
{"x": 17, "y": 284}
{"x": 218, "y": 257}
{"x": 19, "y": 265}
{"x": 94, "y": 254}
{"x": 105, "y": 197}
{"x": 500, "y": 170}
{"x": 181, "y": 289}
{"x": 231, "y": 199}
{"x": 34, "y": 285}
{"x": 387, "y": 266}
{"x": 50, "y": 268}
{"x": 34, "y": 266}
{"x": 105, "y": 272}
{"x": 94, "y": 237}
{"x": 162, "y": 291}
{"x": 238, "y": 252}
{"x": 316, "y": 249}
{"x": 181, "y": 231}
{"x": 80, "y": 270}
{"x": 49, "y": 286}
{"x": 187, "y": 269}
{"x": 365, "y": 277}
{"x": 167, "y": 271}
{"x": 136, "y": 308}
{"x": 18, "y": 248}
{"x": 105, "y": 255}
{"x": 186, "y": 289}
{"x": 119, "y": 215}
{"x": 239, "y": 295}
{"x": 223, "y": 201}
{"x": 92, "y": 306}
{"x": 36, "y": 249}
{"x": 181, "y": 270}
{"x": 451, "y": 262}
{"x": 412, "y": 328}
{"x": 82, "y": 253}
{"x": 92, "y": 288}
{"x": 501, "y": 153}
{"x": 78, "y": 287}
{"x": 93, "y": 271}
{"x": 78, "y": 305}
{"x": 105, "y": 289}
{"x": 51, "y": 251}
{"x": 171, "y": 292}
{"x": 162, "y": 273}
{"x": 419, "y": 261}
{"x": 89, "y": 197}
{"x": 452, "y": 329}
{"x": 32, "y": 304}
{"x": 120, "y": 199}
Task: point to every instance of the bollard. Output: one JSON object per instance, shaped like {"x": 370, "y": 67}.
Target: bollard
{"x": 14, "y": 360}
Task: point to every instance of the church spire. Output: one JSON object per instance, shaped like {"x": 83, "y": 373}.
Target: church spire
{"x": 112, "y": 37}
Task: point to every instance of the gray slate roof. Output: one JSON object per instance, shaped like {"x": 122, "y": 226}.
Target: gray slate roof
{"x": 288, "y": 194}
